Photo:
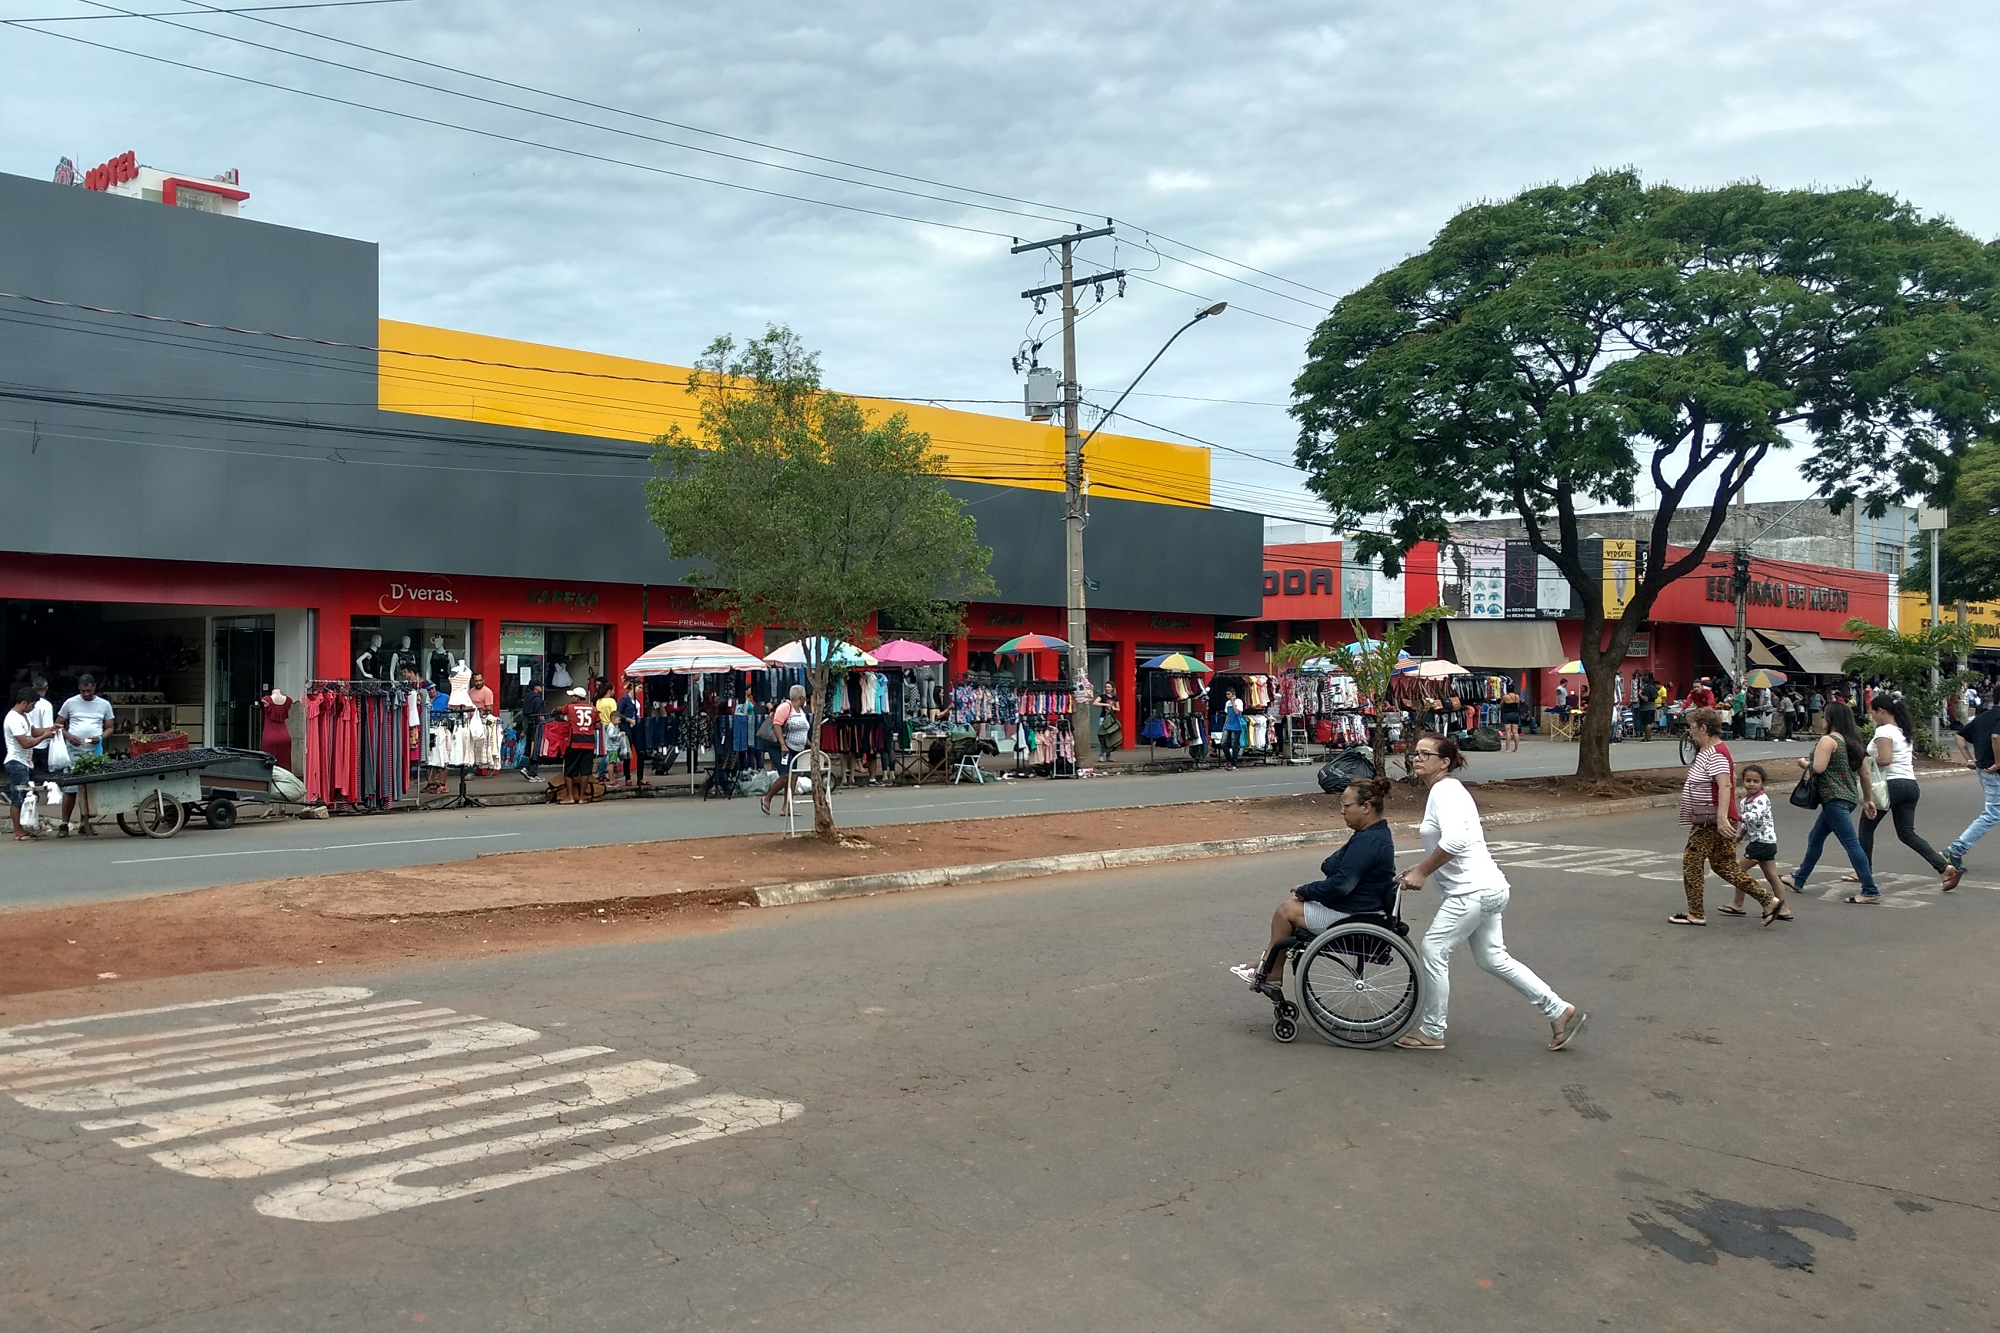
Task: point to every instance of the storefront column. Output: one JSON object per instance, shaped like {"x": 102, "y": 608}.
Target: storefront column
{"x": 961, "y": 657}
{"x": 1125, "y": 670}
{"x": 486, "y": 652}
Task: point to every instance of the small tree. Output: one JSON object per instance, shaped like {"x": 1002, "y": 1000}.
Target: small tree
{"x": 1562, "y": 348}
{"x": 1970, "y": 568}
{"x": 1372, "y": 664}
{"x": 799, "y": 510}
{"x": 1906, "y": 659}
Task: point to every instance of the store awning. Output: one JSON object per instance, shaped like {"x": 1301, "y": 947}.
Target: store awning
{"x": 1816, "y": 656}
{"x": 1502, "y": 645}
{"x": 1722, "y": 643}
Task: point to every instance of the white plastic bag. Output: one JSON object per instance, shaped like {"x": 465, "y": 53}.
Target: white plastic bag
{"x": 59, "y": 759}
{"x": 29, "y": 804}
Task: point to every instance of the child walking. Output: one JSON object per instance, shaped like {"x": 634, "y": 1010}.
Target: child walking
{"x": 1760, "y": 842}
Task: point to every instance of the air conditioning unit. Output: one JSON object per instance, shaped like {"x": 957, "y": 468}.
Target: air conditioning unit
{"x": 1043, "y": 393}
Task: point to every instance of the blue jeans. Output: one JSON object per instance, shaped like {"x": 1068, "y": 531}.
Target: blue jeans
{"x": 1837, "y": 818}
{"x": 1989, "y": 783}
{"x": 18, "y": 778}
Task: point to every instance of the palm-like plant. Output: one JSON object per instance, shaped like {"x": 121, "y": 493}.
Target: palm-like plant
{"x": 1906, "y": 659}
{"x": 1371, "y": 662}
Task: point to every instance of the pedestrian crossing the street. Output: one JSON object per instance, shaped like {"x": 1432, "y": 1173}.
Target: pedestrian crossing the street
{"x": 351, "y": 1106}
{"x": 1899, "y": 888}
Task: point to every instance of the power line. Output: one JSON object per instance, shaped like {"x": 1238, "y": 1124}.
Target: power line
{"x": 500, "y": 137}
{"x": 179, "y": 13}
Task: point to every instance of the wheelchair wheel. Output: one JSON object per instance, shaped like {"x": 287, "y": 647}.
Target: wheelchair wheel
{"x": 1360, "y": 985}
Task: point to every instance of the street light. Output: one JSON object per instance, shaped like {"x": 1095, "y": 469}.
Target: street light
{"x": 1077, "y": 619}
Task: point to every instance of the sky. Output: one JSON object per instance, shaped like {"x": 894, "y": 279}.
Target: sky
{"x": 1318, "y": 143}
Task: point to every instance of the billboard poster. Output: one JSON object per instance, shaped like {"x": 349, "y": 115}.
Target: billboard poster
{"x": 1620, "y": 576}
{"x": 1387, "y": 593}
{"x": 1356, "y": 591}
{"x": 1486, "y": 596}
{"x": 1553, "y": 595}
{"x": 1520, "y": 600}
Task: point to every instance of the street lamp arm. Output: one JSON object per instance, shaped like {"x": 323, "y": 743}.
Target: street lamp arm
{"x": 1215, "y": 309}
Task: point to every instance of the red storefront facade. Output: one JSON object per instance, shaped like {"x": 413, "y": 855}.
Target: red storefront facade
{"x": 335, "y": 624}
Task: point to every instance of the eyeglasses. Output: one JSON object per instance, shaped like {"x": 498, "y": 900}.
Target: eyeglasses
{"x": 1427, "y": 754}
{"x": 1354, "y": 805}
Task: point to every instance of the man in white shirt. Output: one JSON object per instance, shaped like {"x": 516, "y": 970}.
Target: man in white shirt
{"x": 42, "y": 717}
{"x": 22, "y": 737}
{"x": 86, "y": 720}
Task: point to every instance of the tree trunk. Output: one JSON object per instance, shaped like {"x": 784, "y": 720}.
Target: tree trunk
{"x": 823, "y": 826}
{"x": 1593, "y": 749}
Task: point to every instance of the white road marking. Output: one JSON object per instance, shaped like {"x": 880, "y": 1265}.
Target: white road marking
{"x": 159, "y": 1079}
{"x": 301, "y": 851}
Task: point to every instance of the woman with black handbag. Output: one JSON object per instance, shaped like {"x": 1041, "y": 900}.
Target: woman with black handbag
{"x": 1830, "y": 778}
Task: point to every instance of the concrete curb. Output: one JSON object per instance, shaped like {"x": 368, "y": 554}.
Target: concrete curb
{"x": 859, "y": 886}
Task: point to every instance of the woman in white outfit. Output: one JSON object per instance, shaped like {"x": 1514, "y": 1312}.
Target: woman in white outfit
{"x": 1474, "y": 894}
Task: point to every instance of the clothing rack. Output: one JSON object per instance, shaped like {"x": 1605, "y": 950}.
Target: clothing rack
{"x": 358, "y": 746}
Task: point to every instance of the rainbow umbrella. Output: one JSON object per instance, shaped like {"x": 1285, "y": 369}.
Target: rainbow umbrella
{"x": 1764, "y": 679}
{"x": 1179, "y": 663}
{"x": 1033, "y": 643}
{"x": 1573, "y": 667}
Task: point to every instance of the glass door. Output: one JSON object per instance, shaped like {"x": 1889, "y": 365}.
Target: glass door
{"x": 246, "y": 653}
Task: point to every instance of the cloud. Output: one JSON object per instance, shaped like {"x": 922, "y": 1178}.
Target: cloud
{"x": 1321, "y": 142}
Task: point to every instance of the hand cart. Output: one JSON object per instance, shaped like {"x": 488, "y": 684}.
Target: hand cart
{"x": 155, "y": 795}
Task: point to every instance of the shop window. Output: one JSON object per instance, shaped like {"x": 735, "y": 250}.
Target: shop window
{"x": 555, "y": 657}
{"x": 1265, "y": 636}
{"x": 382, "y": 647}
{"x": 1889, "y": 557}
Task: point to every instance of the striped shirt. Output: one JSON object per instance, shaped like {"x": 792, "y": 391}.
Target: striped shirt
{"x": 1698, "y": 790}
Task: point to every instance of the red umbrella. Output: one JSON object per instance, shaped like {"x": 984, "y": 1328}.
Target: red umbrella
{"x": 907, "y": 652}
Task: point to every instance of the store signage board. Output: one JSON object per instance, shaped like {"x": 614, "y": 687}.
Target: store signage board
{"x": 1770, "y": 592}
{"x": 574, "y": 598}
{"x": 517, "y": 641}
{"x": 398, "y": 595}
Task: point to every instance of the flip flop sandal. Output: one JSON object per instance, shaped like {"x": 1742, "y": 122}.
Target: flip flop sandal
{"x": 1409, "y": 1043}
{"x": 1864, "y": 900}
{"x": 1683, "y": 919}
{"x": 1569, "y": 1030}
{"x": 1850, "y": 879}
{"x": 1732, "y": 911}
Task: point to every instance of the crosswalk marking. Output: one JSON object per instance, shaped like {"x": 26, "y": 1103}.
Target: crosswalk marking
{"x": 262, "y": 1085}
{"x": 1899, "y": 888}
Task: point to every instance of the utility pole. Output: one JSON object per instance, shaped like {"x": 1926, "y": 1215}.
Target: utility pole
{"x": 1741, "y": 584}
{"x": 1934, "y": 519}
{"x": 1078, "y": 621}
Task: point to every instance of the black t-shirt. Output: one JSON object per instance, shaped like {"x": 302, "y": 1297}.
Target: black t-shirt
{"x": 1979, "y": 732}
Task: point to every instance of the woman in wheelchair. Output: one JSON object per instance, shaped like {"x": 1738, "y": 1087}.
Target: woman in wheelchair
{"x": 1358, "y": 878}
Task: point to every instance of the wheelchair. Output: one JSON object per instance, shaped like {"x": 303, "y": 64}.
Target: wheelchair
{"x": 1358, "y": 983}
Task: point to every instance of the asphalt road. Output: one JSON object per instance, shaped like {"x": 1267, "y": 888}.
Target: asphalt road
{"x": 113, "y": 866}
{"x": 1048, "y": 1105}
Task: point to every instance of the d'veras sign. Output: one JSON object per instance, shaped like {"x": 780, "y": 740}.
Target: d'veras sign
{"x": 1770, "y": 592}
{"x": 400, "y": 595}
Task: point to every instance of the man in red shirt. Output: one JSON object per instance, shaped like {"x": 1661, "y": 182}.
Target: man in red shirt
{"x": 579, "y": 782}
{"x": 1700, "y": 696}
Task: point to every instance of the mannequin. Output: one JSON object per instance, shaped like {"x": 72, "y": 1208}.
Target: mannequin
{"x": 367, "y": 664}
{"x": 440, "y": 672}
{"x": 276, "y": 738}
{"x": 400, "y": 658}
{"x": 461, "y": 686}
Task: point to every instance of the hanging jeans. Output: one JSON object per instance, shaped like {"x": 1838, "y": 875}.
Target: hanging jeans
{"x": 1989, "y": 784}
{"x": 1903, "y": 793}
{"x": 1837, "y": 818}
{"x": 1475, "y": 916}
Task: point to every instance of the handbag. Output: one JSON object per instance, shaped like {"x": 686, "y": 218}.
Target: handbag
{"x": 1806, "y": 795}
{"x": 767, "y": 733}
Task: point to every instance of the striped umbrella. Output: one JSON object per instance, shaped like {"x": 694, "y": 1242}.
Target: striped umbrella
{"x": 1763, "y": 678}
{"x": 692, "y": 657}
{"x": 1179, "y": 663}
{"x": 1573, "y": 667}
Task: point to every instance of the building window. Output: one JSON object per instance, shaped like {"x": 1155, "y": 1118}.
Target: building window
{"x": 1888, "y": 557}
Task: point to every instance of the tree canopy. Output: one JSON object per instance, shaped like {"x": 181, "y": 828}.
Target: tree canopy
{"x": 799, "y": 510}
{"x": 1610, "y": 341}
{"x": 1970, "y": 548}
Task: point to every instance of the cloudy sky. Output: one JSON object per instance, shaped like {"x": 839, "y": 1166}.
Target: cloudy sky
{"x": 1319, "y": 143}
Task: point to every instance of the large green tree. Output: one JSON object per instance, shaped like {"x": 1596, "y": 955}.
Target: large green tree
{"x": 800, "y": 509}
{"x": 1608, "y": 340}
{"x": 1969, "y": 569}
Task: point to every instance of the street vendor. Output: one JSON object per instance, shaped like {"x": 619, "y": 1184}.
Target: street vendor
{"x": 86, "y": 719}
{"x": 22, "y": 737}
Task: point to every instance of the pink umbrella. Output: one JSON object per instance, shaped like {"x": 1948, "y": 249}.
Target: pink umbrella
{"x": 907, "y": 652}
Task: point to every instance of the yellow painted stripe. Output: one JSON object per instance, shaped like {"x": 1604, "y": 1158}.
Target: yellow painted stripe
{"x": 553, "y": 389}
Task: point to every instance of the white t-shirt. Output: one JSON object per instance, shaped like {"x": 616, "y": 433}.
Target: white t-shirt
{"x": 18, "y": 731}
{"x": 1900, "y": 764}
{"x": 84, "y": 718}
{"x": 41, "y": 714}
{"x": 1451, "y": 821}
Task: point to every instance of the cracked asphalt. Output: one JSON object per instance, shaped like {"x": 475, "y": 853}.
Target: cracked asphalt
{"x": 1049, "y": 1105}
